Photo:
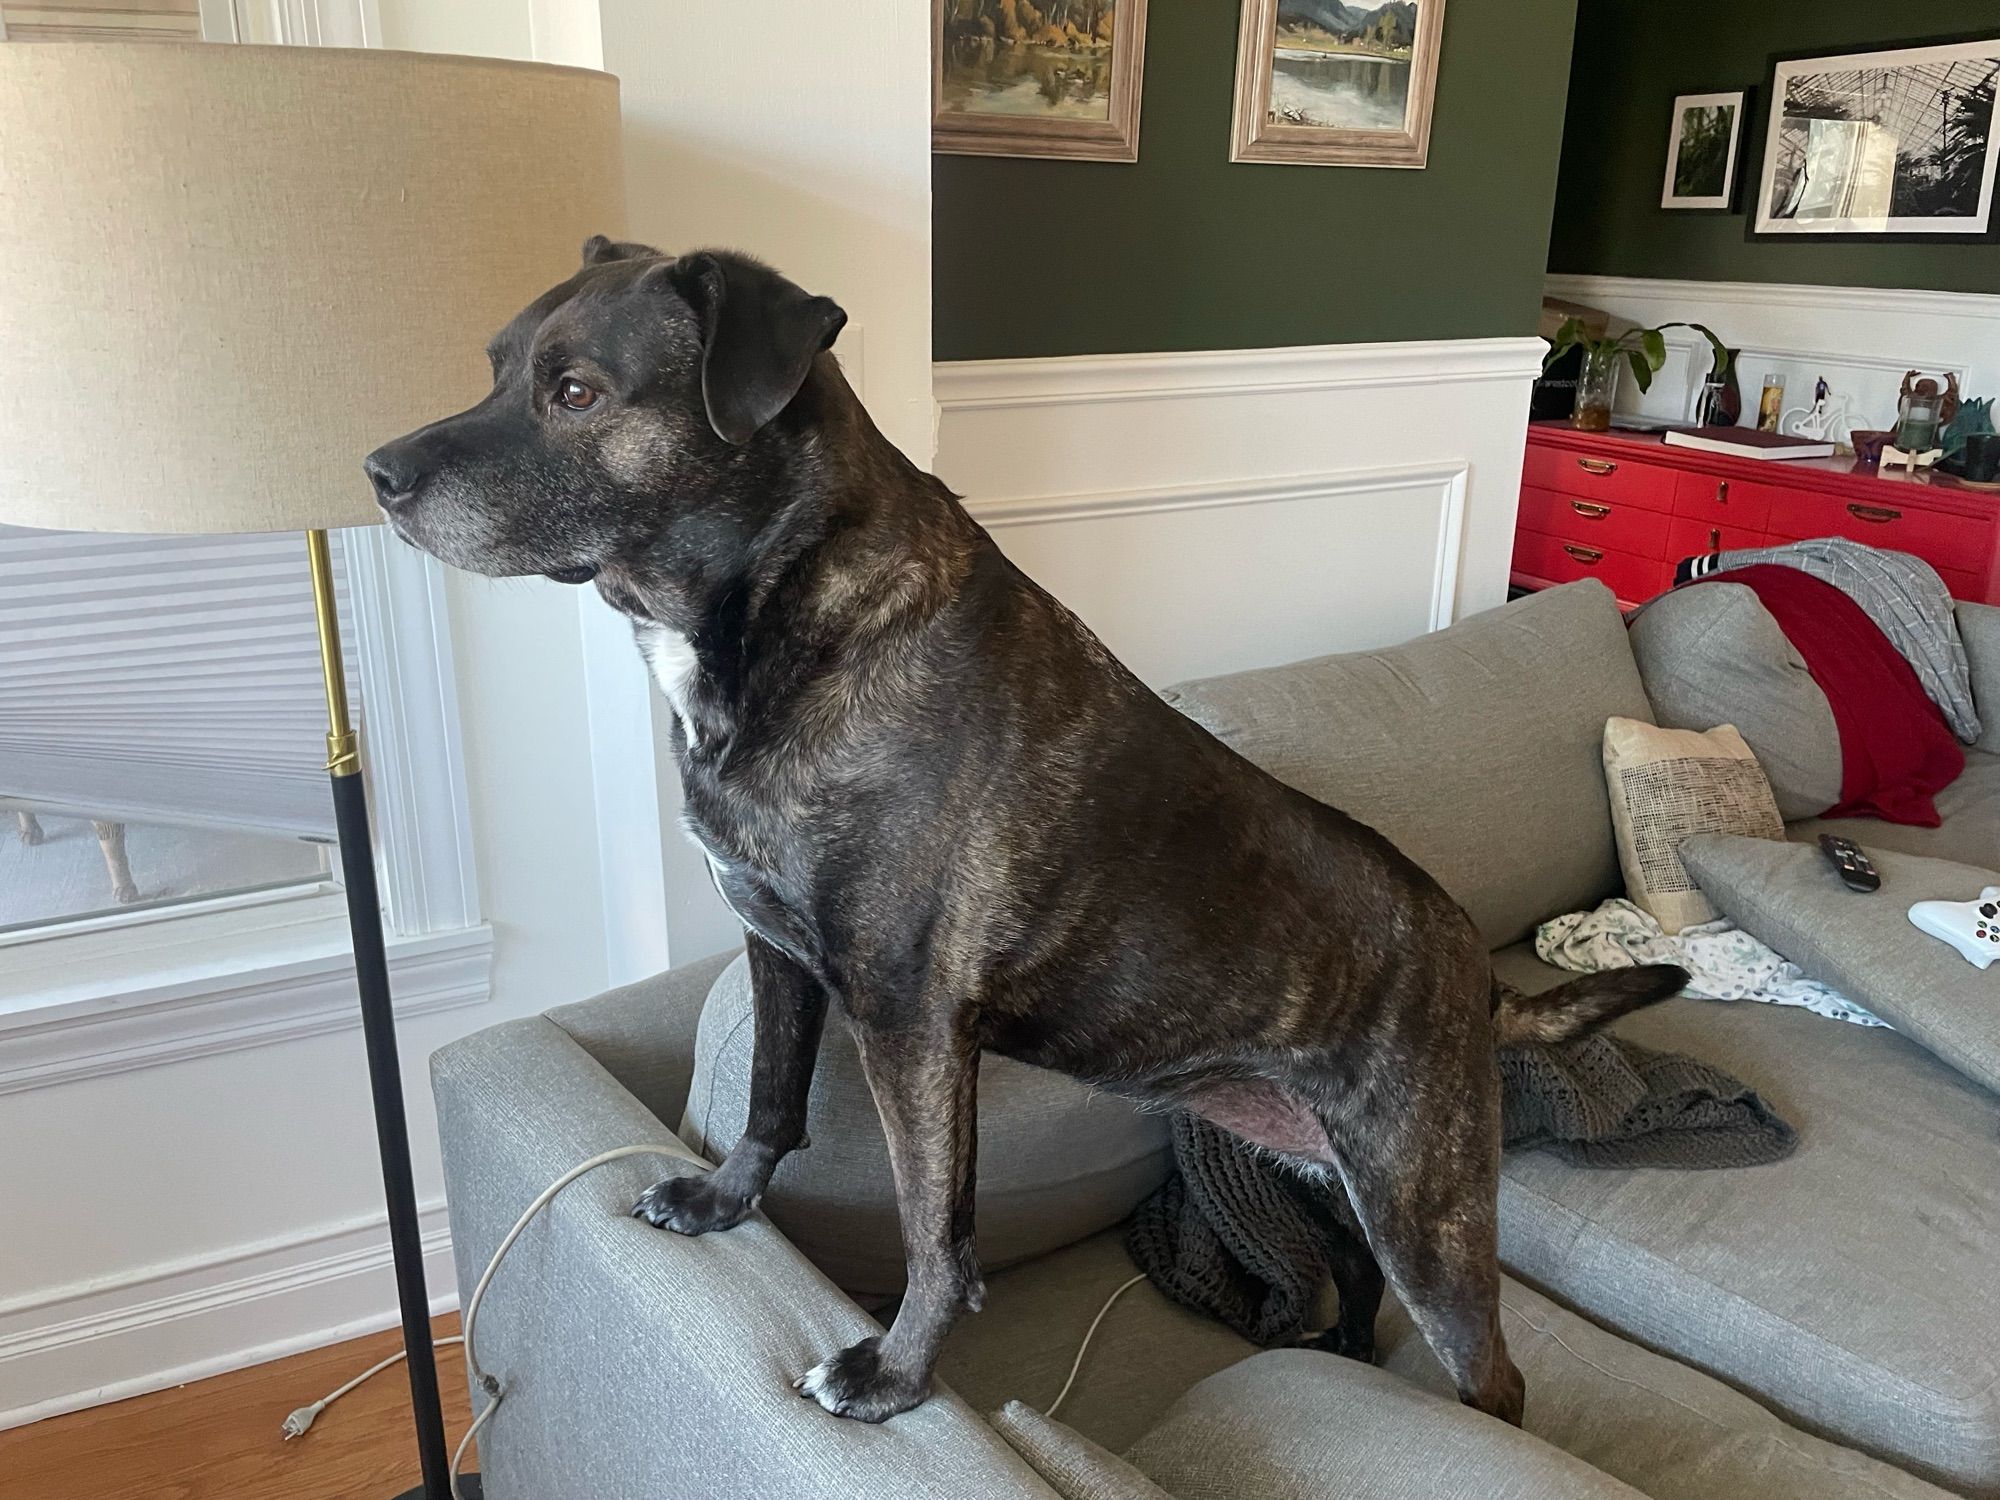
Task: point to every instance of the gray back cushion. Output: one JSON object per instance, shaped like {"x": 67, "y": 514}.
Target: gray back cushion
{"x": 1476, "y": 750}
{"x": 1057, "y": 1162}
{"x": 1712, "y": 654}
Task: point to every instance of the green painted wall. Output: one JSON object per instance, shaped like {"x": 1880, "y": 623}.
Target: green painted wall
{"x": 1185, "y": 250}
{"x": 1633, "y": 56}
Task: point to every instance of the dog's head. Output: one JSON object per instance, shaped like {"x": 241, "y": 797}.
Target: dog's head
{"x": 622, "y": 400}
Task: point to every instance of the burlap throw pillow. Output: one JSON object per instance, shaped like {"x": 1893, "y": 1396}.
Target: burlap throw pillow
{"x": 1666, "y": 784}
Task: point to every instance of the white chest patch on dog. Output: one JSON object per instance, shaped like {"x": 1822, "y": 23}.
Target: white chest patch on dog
{"x": 670, "y": 655}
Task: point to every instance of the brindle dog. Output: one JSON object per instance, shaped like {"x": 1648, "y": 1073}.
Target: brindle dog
{"x": 933, "y": 797}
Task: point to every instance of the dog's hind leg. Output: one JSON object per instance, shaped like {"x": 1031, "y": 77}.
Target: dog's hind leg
{"x": 924, "y": 1080}
{"x": 1356, "y": 1276}
{"x": 1424, "y": 1184}
{"x": 789, "y": 1010}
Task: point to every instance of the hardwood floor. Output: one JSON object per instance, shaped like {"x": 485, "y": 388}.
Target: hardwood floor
{"x": 219, "y": 1439}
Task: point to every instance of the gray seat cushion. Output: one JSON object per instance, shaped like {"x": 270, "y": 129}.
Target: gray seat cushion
{"x": 1057, "y": 1161}
{"x": 1651, "y": 1421}
{"x": 1075, "y": 1467}
{"x": 1714, "y": 655}
{"x": 1852, "y": 1286}
{"x": 1296, "y": 1424}
{"x": 1970, "y": 807}
{"x": 1475, "y": 750}
{"x": 1864, "y": 946}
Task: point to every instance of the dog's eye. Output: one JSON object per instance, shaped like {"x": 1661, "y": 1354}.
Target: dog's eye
{"x": 574, "y": 394}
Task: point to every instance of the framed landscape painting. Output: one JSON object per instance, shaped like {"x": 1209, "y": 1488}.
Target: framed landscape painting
{"x": 1891, "y": 143}
{"x": 1326, "y": 83}
{"x": 1703, "y": 148}
{"x": 1037, "y": 77}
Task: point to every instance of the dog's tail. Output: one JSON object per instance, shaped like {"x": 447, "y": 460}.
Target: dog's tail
{"x": 1582, "y": 1005}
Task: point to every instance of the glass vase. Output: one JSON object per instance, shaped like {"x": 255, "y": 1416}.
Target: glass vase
{"x": 1596, "y": 390}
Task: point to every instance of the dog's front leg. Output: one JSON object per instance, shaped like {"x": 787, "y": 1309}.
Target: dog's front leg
{"x": 789, "y": 1010}
{"x": 924, "y": 1082}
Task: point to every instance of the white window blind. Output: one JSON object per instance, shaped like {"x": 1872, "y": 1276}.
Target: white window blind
{"x": 97, "y": 20}
{"x": 171, "y": 679}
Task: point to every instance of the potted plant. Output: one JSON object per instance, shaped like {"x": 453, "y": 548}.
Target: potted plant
{"x": 1644, "y": 350}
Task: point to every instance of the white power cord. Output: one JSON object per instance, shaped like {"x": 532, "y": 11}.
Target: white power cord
{"x": 300, "y": 1421}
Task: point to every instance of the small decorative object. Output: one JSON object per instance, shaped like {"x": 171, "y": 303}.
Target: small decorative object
{"x": 1922, "y": 411}
{"x": 1729, "y": 405}
{"x": 1868, "y": 444}
{"x": 1703, "y": 149}
{"x": 1892, "y": 142}
{"x": 1980, "y": 462}
{"x": 1057, "y": 79}
{"x": 1823, "y": 421}
{"x": 1643, "y": 350}
{"x": 1771, "y": 403}
{"x": 1894, "y": 457}
{"x": 1321, "y": 83}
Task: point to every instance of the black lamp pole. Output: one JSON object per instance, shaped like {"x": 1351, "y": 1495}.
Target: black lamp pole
{"x": 378, "y": 1029}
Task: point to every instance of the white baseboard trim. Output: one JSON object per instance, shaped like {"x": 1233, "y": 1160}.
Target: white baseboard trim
{"x": 989, "y": 384}
{"x": 95, "y": 1342}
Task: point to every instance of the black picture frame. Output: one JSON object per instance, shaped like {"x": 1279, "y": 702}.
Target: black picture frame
{"x": 1747, "y": 123}
{"x": 1773, "y": 100}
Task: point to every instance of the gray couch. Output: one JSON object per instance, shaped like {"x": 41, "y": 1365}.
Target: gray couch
{"x": 1825, "y": 1327}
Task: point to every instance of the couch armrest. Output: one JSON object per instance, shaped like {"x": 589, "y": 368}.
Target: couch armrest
{"x": 644, "y": 1033}
{"x": 640, "y": 1363}
{"x": 1979, "y": 628}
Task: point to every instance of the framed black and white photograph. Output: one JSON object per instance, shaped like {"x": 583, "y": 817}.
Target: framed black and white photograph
{"x": 1890, "y": 143}
{"x": 1703, "y": 148}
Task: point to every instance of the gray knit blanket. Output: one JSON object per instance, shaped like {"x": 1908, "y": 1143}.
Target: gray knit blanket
{"x": 1242, "y": 1235}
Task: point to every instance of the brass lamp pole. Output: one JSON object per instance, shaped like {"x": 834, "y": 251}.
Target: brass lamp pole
{"x": 234, "y": 271}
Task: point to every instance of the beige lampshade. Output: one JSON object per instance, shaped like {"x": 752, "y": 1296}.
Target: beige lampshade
{"x": 227, "y": 273}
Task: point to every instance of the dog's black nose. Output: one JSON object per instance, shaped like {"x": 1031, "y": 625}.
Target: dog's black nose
{"x": 394, "y": 472}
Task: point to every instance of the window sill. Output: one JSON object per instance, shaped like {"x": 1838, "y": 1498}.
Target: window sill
{"x": 95, "y": 1003}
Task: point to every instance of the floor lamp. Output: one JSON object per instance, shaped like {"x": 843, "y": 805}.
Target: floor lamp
{"x": 226, "y": 274}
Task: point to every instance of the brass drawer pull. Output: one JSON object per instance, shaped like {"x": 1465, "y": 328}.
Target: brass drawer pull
{"x": 1592, "y": 512}
{"x": 1881, "y": 515}
{"x": 1597, "y": 466}
{"x": 1583, "y": 554}
{"x": 1722, "y": 492}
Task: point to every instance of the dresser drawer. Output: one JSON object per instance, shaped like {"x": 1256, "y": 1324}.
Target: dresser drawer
{"x": 1961, "y": 543}
{"x": 1631, "y": 577}
{"x": 1649, "y": 486}
{"x": 1689, "y": 537}
{"x": 1727, "y": 502}
{"x": 1597, "y": 523}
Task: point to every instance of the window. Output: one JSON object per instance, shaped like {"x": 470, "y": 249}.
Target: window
{"x": 96, "y": 20}
{"x": 161, "y": 723}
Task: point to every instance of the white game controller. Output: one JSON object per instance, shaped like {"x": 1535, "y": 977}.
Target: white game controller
{"x": 1972, "y": 927}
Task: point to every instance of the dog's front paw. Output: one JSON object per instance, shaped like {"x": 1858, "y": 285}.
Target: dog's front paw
{"x": 694, "y": 1204}
{"x": 857, "y": 1383}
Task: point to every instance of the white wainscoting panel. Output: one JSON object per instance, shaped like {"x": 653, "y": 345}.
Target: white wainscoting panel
{"x": 1860, "y": 339}
{"x": 1212, "y": 512}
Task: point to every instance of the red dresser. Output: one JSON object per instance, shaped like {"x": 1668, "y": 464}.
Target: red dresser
{"x": 1627, "y": 508}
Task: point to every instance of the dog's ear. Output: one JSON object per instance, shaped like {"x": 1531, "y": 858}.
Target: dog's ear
{"x": 759, "y": 334}
{"x": 600, "y": 248}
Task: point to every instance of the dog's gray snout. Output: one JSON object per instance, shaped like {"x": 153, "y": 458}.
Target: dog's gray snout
{"x": 395, "y": 473}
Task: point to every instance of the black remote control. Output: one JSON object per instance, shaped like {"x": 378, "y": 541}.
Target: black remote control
{"x": 1857, "y": 872}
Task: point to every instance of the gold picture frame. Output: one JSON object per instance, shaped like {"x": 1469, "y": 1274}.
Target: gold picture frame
{"x": 1354, "y": 76}
{"x": 1058, "y": 57}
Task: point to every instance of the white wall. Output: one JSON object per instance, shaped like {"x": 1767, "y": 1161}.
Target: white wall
{"x": 1861, "y": 339}
{"x": 799, "y": 132}
{"x": 1211, "y": 512}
